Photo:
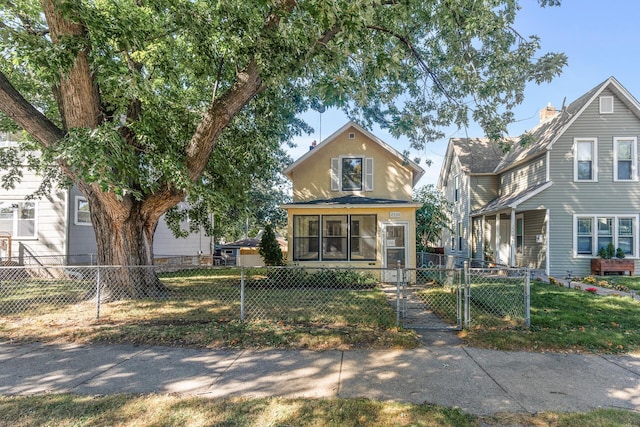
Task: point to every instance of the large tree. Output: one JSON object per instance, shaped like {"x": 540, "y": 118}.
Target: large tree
{"x": 131, "y": 100}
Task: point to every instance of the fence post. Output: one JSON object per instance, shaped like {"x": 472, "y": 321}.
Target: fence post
{"x": 527, "y": 298}
{"x": 242, "y": 293}
{"x": 467, "y": 295}
{"x": 98, "y": 293}
{"x": 398, "y": 306}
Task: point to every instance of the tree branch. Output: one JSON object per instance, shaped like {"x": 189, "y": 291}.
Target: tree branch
{"x": 13, "y": 104}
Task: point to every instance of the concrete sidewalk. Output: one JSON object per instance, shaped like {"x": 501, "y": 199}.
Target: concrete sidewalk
{"x": 478, "y": 381}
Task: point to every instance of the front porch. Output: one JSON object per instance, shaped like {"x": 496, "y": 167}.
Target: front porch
{"x": 511, "y": 238}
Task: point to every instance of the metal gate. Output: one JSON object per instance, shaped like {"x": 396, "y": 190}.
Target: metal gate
{"x": 431, "y": 299}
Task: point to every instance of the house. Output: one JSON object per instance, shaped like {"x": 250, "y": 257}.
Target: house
{"x": 245, "y": 251}
{"x": 352, "y": 203}
{"x": 565, "y": 190}
{"x": 57, "y": 229}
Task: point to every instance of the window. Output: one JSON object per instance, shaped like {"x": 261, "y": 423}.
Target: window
{"x": 621, "y": 231}
{"x": 585, "y": 236}
{"x": 519, "y": 234}
{"x": 18, "y": 218}
{"x": 306, "y": 238}
{"x": 459, "y": 236}
{"x": 334, "y": 237}
{"x": 586, "y": 159}
{"x": 343, "y": 237}
{"x": 625, "y": 155}
{"x": 363, "y": 237}
{"x": 456, "y": 188}
{"x": 453, "y": 236}
{"x": 352, "y": 173}
{"x": 606, "y": 104}
{"x": 82, "y": 215}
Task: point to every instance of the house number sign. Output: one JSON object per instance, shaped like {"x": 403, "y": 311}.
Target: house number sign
{"x": 394, "y": 214}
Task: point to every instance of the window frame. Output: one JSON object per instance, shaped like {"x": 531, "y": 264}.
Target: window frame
{"x": 606, "y": 101}
{"x": 594, "y": 159}
{"x": 366, "y": 173}
{"x": 76, "y": 209}
{"x": 308, "y": 236}
{"x": 614, "y": 234}
{"x": 342, "y": 173}
{"x": 519, "y": 234}
{"x": 456, "y": 188}
{"x": 633, "y": 160}
{"x": 16, "y": 206}
{"x": 323, "y": 237}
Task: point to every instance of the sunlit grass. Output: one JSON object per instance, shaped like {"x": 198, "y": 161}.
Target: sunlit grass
{"x": 165, "y": 410}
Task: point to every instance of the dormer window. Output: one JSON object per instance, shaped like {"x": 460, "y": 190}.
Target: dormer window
{"x": 352, "y": 173}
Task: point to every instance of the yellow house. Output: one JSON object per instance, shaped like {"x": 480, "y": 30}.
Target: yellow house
{"x": 352, "y": 203}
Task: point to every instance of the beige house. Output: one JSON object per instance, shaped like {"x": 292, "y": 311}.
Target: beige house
{"x": 352, "y": 203}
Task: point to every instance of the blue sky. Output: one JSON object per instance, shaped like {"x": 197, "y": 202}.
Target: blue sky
{"x": 600, "y": 39}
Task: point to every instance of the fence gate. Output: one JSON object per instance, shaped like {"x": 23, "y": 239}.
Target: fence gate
{"x": 431, "y": 299}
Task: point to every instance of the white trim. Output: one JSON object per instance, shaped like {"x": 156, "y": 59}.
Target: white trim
{"x": 14, "y": 219}
{"x": 319, "y": 206}
{"x": 76, "y": 200}
{"x": 594, "y": 159}
{"x": 417, "y": 170}
{"x": 368, "y": 177}
{"x": 383, "y": 234}
{"x": 594, "y": 232}
{"x": 546, "y": 242}
{"x": 634, "y": 158}
{"x": 606, "y": 104}
{"x": 548, "y": 156}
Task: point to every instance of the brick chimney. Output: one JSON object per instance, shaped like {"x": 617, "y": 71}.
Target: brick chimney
{"x": 547, "y": 113}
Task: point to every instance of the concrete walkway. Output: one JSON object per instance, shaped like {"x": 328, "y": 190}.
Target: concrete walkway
{"x": 441, "y": 372}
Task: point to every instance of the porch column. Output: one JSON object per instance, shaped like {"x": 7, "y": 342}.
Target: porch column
{"x": 481, "y": 243}
{"x": 497, "y": 242}
{"x": 512, "y": 240}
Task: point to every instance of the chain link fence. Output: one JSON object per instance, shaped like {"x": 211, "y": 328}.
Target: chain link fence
{"x": 434, "y": 298}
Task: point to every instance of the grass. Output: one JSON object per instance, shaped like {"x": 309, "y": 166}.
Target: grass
{"x": 568, "y": 320}
{"x": 203, "y": 310}
{"x": 164, "y": 410}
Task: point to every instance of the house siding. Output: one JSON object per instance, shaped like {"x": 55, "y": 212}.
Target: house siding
{"x": 482, "y": 189}
{"x": 391, "y": 178}
{"x": 566, "y": 197}
{"x": 518, "y": 179}
{"x": 534, "y": 252}
{"x": 50, "y": 219}
{"x": 459, "y": 211}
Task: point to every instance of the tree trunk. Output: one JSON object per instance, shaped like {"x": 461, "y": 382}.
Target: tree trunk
{"x": 125, "y": 248}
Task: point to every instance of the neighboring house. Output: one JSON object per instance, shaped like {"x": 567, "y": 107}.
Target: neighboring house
{"x": 352, "y": 203}
{"x": 550, "y": 203}
{"x": 57, "y": 228}
{"x": 245, "y": 252}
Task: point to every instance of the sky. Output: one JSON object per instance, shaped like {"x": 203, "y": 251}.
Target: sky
{"x": 600, "y": 38}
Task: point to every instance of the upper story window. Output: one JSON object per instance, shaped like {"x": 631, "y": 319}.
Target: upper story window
{"x": 625, "y": 159}
{"x": 81, "y": 214}
{"x": 18, "y": 218}
{"x": 585, "y": 159}
{"x": 456, "y": 188}
{"x": 352, "y": 173}
{"x": 606, "y": 105}
{"x": 8, "y": 139}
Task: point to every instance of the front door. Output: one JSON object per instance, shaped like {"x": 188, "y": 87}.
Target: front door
{"x": 395, "y": 240}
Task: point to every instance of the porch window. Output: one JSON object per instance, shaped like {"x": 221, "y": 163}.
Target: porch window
{"x": 352, "y": 173}
{"x": 586, "y": 159}
{"x": 18, "y": 218}
{"x": 625, "y": 159}
{"x": 363, "y": 237}
{"x": 334, "y": 237}
{"x": 620, "y": 231}
{"x": 306, "y": 238}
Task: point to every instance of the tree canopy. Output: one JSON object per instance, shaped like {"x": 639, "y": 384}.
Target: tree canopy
{"x": 141, "y": 103}
{"x": 431, "y": 218}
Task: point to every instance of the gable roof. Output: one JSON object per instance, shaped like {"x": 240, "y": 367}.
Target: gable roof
{"x": 417, "y": 171}
{"x": 546, "y": 133}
